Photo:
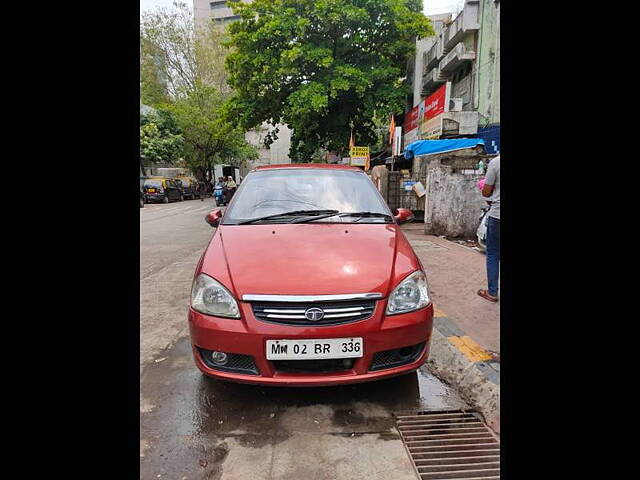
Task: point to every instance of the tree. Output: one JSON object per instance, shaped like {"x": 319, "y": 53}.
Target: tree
{"x": 208, "y": 137}
{"x": 322, "y": 67}
{"x": 160, "y": 138}
{"x": 184, "y": 68}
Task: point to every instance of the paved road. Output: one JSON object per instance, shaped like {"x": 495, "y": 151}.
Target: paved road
{"x": 198, "y": 428}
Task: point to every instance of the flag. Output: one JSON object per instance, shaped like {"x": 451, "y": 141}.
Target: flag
{"x": 351, "y": 142}
{"x": 392, "y": 129}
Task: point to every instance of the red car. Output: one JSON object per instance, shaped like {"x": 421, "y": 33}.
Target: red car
{"x": 309, "y": 281}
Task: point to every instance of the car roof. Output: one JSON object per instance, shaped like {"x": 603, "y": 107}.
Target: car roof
{"x": 324, "y": 166}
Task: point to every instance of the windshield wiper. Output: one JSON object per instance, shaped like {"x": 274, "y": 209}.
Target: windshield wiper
{"x": 345, "y": 214}
{"x": 329, "y": 213}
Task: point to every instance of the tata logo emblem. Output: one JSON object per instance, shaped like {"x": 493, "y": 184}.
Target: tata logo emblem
{"x": 314, "y": 314}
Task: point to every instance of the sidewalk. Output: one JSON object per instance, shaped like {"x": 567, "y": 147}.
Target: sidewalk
{"x": 455, "y": 273}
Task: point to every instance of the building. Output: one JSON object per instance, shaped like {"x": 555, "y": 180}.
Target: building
{"x": 488, "y": 75}
{"x": 278, "y": 151}
{"x": 455, "y": 78}
{"x": 217, "y": 10}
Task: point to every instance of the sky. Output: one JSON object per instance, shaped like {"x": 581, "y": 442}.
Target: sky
{"x": 430, "y": 6}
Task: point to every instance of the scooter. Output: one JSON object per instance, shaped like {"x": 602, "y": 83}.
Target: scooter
{"x": 481, "y": 233}
{"x": 218, "y": 193}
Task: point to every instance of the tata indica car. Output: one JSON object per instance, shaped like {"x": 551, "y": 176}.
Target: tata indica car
{"x": 309, "y": 281}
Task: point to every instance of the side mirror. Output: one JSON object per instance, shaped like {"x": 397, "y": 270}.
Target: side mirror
{"x": 213, "y": 217}
{"x": 403, "y": 215}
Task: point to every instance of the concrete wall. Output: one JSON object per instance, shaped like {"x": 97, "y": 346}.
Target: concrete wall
{"x": 452, "y": 202}
{"x": 488, "y": 63}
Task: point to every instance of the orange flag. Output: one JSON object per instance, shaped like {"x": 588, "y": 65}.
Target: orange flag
{"x": 351, "y": 142}
{"x": 392, "y": 129}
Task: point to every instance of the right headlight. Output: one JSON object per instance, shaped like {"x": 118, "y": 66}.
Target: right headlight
{"x": 411, "y": 294}
{"x": 210, "y": 297}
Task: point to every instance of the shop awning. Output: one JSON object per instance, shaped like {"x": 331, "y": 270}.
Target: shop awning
{"x": 431, "y": 147}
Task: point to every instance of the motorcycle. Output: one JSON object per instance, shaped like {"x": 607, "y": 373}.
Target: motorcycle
{"x": 218, "y": 193}
{"x": 481, "y": 232}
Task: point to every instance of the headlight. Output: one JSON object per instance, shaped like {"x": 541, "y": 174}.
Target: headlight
{"x": 210, "y": 297}
{"x": 412, "y": 294}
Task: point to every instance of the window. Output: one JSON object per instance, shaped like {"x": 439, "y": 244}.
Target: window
{"x": 218, "y": 5}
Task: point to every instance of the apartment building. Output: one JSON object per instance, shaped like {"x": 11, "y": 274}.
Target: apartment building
{"x": 455, "y": 77}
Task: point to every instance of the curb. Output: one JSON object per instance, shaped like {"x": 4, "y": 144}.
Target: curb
{"x": 461, "y": 362}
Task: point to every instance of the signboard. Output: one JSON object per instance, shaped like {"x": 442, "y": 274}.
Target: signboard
{"x": 431, "y": 107}
{"x": 408, "y": 185}
{"x": 359, "y": 152}
{"x": 437, "y": 102}
{"x": 432, "y": 128}
{"x": 397, "y": 141}
{"x": 359, "y": 156}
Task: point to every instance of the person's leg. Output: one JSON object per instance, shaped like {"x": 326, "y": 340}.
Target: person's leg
{"x": 493, "y": 255}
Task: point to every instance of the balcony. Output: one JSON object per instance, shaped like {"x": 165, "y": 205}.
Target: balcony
{"x": 456, "y": 57}
{"x": 432, "y": 80}
{"x": 431, "y": 57}
{"x": 465, "y": 22}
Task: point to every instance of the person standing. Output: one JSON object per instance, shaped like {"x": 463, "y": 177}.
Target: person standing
{"x": 491, "y": 191}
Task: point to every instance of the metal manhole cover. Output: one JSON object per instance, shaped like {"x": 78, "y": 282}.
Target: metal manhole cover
{"x": 450, "y": 444}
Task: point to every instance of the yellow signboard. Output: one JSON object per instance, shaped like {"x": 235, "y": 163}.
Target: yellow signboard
{"x": 359, "y": 152}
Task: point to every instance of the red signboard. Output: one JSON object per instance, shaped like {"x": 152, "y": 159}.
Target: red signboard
{"x": 430, "y": 107}
{"x": 411, "y": 119}
{"x": 434, "y": 104}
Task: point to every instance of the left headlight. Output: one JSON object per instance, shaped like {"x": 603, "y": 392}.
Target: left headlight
{"x": 211, "y": 298}
{"x": 411, "y": 294}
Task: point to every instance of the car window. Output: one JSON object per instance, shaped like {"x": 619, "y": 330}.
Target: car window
{"x": 270, "y": 192}
{"x": 152, "y": 183}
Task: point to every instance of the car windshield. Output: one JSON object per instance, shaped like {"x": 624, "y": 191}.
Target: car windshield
{"x": 272, "y": 192}
{"x": 153, "y": 183}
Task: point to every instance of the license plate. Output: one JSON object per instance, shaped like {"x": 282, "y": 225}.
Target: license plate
{"x": 310, "y": 349}
{"x": 151, "y": 190}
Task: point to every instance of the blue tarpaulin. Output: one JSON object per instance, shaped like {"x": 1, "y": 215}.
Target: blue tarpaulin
{"x": 430, "y": 147}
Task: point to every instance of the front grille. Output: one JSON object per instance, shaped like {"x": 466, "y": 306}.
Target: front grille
{"x": 314, "y": 366}
{"x": 293, "y": 313}
{"x": 396, "y": 357}
{"x": 236, "y": 363}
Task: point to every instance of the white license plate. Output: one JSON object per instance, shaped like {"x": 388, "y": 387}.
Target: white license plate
{"x": 310, "y": 349}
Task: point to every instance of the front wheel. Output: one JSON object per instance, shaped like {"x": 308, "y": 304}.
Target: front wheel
{"x": 165, "y": 199}
{"x": 182, "y": 198}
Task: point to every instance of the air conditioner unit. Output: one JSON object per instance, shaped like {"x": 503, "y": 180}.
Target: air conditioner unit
{"x": 455, "y": 104}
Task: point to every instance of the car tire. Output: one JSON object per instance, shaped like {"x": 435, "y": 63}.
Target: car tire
{"x": 165, "y": 199}
{"x": 182, "y": 198}
{"x": 141, "y": 203}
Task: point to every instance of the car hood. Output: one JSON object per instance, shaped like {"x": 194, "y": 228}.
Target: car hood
{"x": 308, "y": 259}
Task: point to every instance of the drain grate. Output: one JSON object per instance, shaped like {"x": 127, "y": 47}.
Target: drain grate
{"x": 450, "y": 444}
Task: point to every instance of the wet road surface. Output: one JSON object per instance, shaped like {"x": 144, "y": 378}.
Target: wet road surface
{"x": 193, "y": 427}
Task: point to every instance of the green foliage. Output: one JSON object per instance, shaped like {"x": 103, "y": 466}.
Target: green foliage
{"x": 208, "y": 137}
{"x": 160, "y": 138}
{"x": 322, "y": 66}
{"x": 183, "y": 75}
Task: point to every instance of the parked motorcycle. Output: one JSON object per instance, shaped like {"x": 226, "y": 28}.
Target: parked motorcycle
{"x": 218, "y": 193}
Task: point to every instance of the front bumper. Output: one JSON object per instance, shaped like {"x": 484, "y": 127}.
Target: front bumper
{"x": 248, "y": 336}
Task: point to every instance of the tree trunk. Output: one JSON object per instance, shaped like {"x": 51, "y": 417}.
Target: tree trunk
{"x": 144, "y": 171}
